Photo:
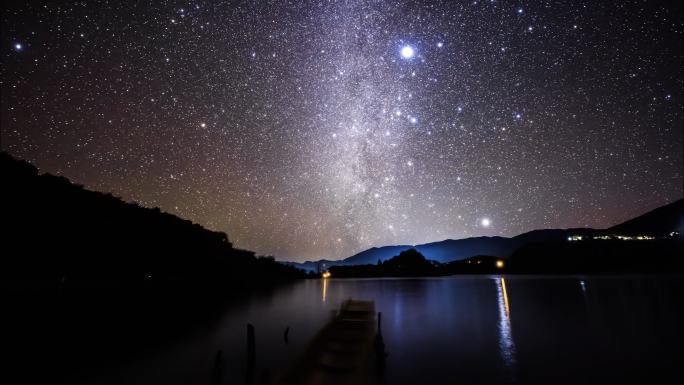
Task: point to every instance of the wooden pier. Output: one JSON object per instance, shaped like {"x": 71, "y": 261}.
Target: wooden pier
{"x": 342, "y": 352}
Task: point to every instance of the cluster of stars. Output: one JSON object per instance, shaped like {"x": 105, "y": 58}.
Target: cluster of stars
{"x": 320, "y": 129}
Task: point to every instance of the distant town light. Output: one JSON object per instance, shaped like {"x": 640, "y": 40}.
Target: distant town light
{"x": 613, "y": 236}
{"x": 326, "y": 274}
{"x": 500, "y": 264}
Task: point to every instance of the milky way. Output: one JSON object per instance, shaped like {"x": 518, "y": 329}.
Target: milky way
{"x": 311, "y": 130}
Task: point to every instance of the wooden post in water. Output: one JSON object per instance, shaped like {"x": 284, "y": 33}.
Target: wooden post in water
{"x": 379, "y": 344}
{"x": 217, "y": 373}
{"x": 251, "y": 353}
{"x": 379, "y": 322}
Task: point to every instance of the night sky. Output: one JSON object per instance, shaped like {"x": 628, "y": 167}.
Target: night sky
{"x": 321, "y": 129}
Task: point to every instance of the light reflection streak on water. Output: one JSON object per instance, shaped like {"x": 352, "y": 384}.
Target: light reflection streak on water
{"x": 506, "y": 345}
{"x": 325, "y": 289}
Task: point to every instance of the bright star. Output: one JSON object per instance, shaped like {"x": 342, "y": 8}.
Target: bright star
{"x": 407, "y": 52}
{"x": 18, "y": 46}
{"x": 440, "y": 45}
{"x": 485, "y": 222}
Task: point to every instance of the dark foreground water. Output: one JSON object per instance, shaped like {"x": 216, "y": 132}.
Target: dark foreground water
{"x": 448, "y": 330}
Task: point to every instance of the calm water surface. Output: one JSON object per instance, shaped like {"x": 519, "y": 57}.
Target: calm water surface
{"x": 453, "y": 330}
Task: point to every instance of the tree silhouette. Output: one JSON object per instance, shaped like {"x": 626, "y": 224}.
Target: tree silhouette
{"x": 60, "y": 234}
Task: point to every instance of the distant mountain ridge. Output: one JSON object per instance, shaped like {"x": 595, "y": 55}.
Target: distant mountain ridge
{"x": 658, "y": 222}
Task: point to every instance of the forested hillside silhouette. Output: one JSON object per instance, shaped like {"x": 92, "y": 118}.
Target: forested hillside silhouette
{"x": 408, "y": 263}
{"x": 58, "y": 234}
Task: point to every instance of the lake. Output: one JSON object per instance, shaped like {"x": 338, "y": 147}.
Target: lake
{"x": 462, "y": 329}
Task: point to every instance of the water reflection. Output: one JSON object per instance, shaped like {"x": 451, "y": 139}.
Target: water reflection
{"x": 448, "y": 330}
{"x": 506, "y": 345}
{"x": 325, "y": 288}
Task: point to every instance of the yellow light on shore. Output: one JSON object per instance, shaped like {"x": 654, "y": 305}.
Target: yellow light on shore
{"x": 500, "y": 264}
{"x": 326, "y": 274}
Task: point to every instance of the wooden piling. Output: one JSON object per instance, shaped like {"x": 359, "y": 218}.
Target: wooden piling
{"x": 251, "y": 353}
{"x": 380, "y": 322}
{"x": 379, "y": 345}
{"x": 217, "y": 373}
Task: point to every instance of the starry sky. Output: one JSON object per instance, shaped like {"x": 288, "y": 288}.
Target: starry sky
{"x": 310, "y": 130}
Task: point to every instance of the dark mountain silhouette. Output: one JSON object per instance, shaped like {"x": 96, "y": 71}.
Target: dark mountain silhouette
{"x": 445, "y": 251}
{"x": 599, "y": 256}
{"x": 652, "y": 242}
{"x": 409, "y": 263}
{"x": 659, "y": 222}
{"x": 58, "y": 234}
{"x": 589, "y": 255}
